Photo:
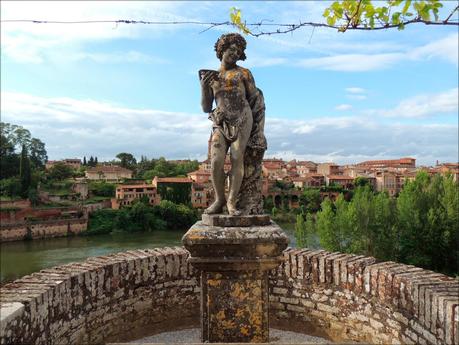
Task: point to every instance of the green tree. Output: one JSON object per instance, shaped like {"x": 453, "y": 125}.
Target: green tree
{"x": 25, "y": 172}
{"x": 60, "y": 171}
{"x": 127, "y": 160}
{"x": 310, "y": 200}
{"x": 38, "y": 154}
{"x": 10, "y": 187}
{"x": 102, "y": 189}
{"x": 427, "y": 223}
{"x": 305, "y": 231}
{"x": 361, "y": 181}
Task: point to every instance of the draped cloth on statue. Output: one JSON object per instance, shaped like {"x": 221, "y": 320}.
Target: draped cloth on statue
{"x": 250, "y": 199}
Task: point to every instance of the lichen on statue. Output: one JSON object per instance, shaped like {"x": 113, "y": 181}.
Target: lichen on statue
{"x": 238, "y": 126}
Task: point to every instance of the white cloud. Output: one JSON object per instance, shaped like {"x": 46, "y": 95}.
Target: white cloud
{"x": 352, "y": 62}
{"x": 343, "y": 107}
{"x": 120, "y": 57}
{"x": 33, "y": 43}
{"x": 355, "y": 90}
{"x": 424, "y": 105}
{"x": 446, "y": 48}
{"x": 73, "y": 128}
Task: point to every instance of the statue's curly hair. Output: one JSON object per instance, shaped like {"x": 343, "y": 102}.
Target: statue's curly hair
{"x": 226, "y": 40}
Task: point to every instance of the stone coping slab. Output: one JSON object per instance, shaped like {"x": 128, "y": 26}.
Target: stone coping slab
{"x": 224, "y": 220}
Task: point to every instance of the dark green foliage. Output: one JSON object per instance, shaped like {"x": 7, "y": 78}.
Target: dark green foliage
{"x": 361, "y": 181}
{"x": 102, "y": 189}
{"x": 420, "y": 227}
{"x": 179, "y": 193}
{"x": 176, "y": 216}
{"x": 141, "y": 217}
{"x": 305, "y": 231}
{"x": 268, "y": 204}
{"x": 428, "y": 223}
{"x": 92, "y": 162}
{"x": 25, "y": 173}
{"x": 60, "y": 171}
{"x": 33, "y": 196}
{"x": 148, "y": 169}
{"x": 10, "y": 187}
{"x": 310, "y": 200}
{"x": 102, "y": 222}
{"x": 127, "y": 160}
{"x": 12, "y": 139}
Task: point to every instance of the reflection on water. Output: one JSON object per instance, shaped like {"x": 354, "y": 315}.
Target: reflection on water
{"x": 24, "y": 257}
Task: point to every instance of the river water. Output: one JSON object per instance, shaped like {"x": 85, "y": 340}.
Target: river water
{"x": 24, "y": 257}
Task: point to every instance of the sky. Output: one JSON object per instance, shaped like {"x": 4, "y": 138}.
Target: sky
{"x": 101, "y": 89}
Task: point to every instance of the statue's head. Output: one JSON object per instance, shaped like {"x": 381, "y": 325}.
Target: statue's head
{"x": 226, "y": 40}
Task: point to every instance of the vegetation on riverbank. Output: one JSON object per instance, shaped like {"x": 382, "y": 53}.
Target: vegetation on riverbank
{"x": 142, "y": 217}
{"x": 420, "y": 227}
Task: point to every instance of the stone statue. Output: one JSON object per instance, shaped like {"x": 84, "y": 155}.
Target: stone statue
{"x": 238, "y": 125}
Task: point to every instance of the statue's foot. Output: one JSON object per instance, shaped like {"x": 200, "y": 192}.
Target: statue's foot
{"x": 232, "y": 210}
{"x": 215, "y": 208}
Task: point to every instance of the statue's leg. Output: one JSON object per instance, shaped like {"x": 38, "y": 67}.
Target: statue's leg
{"x": 237, "y": 164}
{"x": 218, "y": 153}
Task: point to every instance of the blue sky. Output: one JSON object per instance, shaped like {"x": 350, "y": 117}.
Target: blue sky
{"x": 101, "y": 89}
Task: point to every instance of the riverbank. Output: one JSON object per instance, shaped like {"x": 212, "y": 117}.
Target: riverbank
{"x": 20, "y": 258}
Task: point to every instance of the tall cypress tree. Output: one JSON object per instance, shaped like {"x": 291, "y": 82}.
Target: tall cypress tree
{"x": 84, "y": 161}
{"x": 24, "y": 172}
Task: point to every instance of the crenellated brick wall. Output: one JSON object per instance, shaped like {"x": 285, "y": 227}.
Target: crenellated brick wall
{"x": 128, "y": 295}
{"x": 354, "y": 298}
{"x": 109, "y": 298}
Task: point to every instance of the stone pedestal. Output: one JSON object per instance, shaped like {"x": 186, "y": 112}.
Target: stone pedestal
{"x": 234, "y": 255}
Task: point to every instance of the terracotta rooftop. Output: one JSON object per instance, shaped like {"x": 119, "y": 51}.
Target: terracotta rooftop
{"x": 339, "y": 177}
{"x": 126, "y": 186}
{"x": 173, "y": 179}
{"x": 199, "y": 172}
{"x": 108, "y": 168}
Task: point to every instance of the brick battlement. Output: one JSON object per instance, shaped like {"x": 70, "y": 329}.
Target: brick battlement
{"x": 125, "y": 296}
{"x": 349, "y": 297}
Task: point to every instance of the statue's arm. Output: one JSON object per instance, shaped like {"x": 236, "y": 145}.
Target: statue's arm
{"x": 250, "y": 87}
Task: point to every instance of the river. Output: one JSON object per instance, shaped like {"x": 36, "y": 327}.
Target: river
{"x": 24, "y": 257}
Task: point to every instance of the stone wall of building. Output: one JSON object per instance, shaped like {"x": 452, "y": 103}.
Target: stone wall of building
{"x": 352, "y": 298}
{"x": 128, "y": 295}
{"x": 118, "y": 297}
{"x": 42, "y": 229}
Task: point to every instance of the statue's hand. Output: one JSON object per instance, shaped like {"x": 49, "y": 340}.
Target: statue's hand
{"x": 207, "y": 78}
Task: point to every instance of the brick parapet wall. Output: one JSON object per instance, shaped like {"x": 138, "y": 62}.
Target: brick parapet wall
{"x": 42, "y": 229}
{"x": 123, "y": 296}
{"x": 350, "y": 297}
{"x": 109, "y": 298}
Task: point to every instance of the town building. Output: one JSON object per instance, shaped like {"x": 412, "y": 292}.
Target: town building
{"x": 401, "y": 163}
{"x": 309, "y": 180}
{"x": 306, "y": 167}
{"x": 74, "y": 163}
{"x": 328, "y": 169}
{"x": 201, "y": 195}
{"x": 108, "y": 173}
{"x": 341, "y": 180}
{"x": 126, "y": 194}
{"x": 273, "y": 168}
{"x": 199, "y": 176}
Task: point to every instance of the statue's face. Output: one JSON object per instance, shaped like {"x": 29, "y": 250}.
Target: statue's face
{"x": 231, "y": 54}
